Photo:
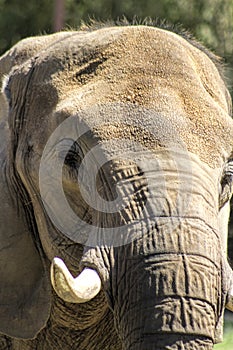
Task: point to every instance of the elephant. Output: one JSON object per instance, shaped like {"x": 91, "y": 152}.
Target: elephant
{"x": 116, "y": 176}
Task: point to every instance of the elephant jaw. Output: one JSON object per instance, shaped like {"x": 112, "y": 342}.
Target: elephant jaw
{"x": 74, "y": 290}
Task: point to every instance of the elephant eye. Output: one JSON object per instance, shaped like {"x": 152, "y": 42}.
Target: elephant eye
{"x": 74, "y": 156}
{"x": 226, "y": 183}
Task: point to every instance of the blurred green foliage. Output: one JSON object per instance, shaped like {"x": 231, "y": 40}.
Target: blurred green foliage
{"x": 227, "y": 344}
{"x": 211, "y": 21}
{"x": 19, "y": 19}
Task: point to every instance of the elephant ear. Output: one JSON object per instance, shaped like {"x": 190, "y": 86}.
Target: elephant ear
{"x": 24, "y": 289}
{"x": 24, "y": 284}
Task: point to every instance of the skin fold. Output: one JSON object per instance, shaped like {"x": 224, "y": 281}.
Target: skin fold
{"x": 116, "y": 156}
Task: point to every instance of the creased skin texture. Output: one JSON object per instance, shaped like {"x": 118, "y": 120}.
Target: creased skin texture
{"x": 174, "y": 343}
{"x": 167, "y": 288}
{"x": 72, "y": 331}
{"x": 5, "y": 343}
{"x": 173, "y": 285}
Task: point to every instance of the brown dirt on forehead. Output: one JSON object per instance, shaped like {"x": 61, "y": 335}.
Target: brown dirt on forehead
{"x": 165, "y": 72}
{"x": 147, "y": 58}
{"x": 153, "y": 69}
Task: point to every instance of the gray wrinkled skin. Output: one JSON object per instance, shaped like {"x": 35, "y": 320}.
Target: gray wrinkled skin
{"x": 116, "y": 154}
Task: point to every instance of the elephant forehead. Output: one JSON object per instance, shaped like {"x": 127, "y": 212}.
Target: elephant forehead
{"x": 159, "y": 71}
{"x": 148, "y": 68}
{"x": 151, "y": 127}
{"x": 140, "y": 58}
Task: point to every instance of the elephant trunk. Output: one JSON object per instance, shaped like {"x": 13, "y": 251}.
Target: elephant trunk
{"x": 167, "y": 295}
{"x": 173, "y": 342}
{"x": 161, "y": 259}
{"x": 156, "y": 245}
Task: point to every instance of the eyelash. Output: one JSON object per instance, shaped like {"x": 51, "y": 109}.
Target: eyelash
{"x": 74, "y": 156}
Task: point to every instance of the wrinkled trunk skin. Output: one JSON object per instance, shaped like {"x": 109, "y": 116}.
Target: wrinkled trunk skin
{"x": 166, "y": 287}
{"x": 174, "y": 281}
{"x": 173, "y": 342}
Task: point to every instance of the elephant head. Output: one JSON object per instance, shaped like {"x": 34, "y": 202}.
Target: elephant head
{"x": 116, "y": 167}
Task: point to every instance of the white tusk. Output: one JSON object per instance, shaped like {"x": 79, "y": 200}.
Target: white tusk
{"x": 74, "y": 290}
